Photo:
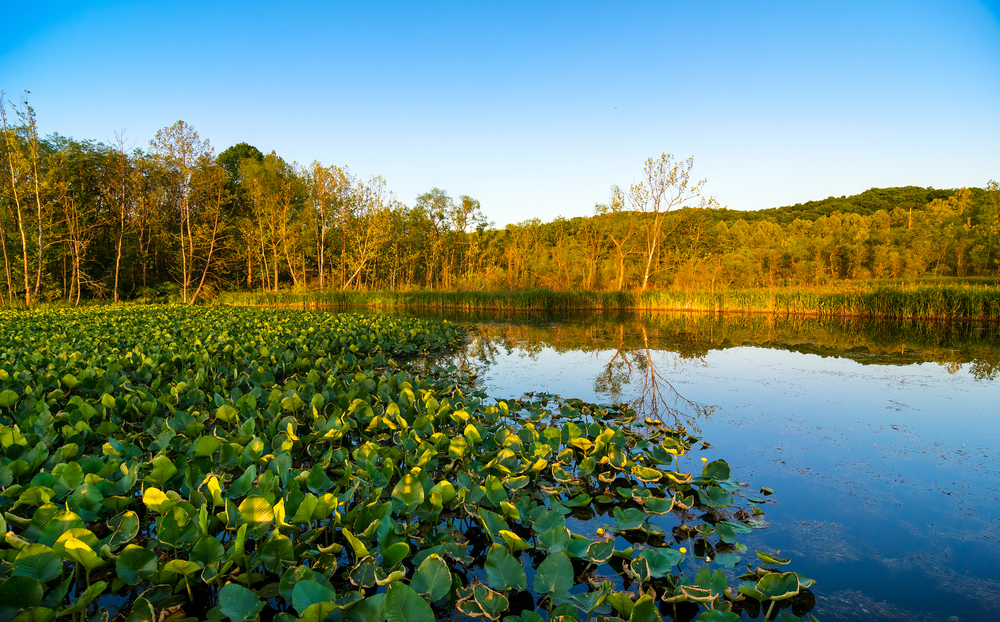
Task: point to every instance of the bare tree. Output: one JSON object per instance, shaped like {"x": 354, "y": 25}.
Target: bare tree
{"x": 666, "y": 185}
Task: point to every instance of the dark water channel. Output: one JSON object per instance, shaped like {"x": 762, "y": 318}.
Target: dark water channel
{"x": 880, "y": 439}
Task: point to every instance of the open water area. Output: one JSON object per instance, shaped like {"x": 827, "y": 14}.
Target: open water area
{"x": 880, "y": 439}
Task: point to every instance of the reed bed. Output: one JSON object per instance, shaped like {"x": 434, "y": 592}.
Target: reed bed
{"x": 900, "y": 302}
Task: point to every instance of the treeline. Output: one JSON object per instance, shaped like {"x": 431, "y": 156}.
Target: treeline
{"x": 82, "y": 219}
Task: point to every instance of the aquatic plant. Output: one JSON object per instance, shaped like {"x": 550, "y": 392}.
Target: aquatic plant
{"x": 926, "y": 301}
{"x": 241, "y": 463}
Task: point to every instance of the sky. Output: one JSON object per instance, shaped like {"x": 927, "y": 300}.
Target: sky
{"x": 537, "y": 108}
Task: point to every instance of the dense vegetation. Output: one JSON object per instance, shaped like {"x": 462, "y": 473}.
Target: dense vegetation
{"x": 184, "y": 463}
{"x": 923, "y": 301}
{"x": 81, "y": 219}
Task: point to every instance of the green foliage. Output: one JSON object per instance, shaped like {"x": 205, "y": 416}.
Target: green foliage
{"x": 895, "y": 301}
{"x": 255, "y": 221}
{"x": 216, "y": 459}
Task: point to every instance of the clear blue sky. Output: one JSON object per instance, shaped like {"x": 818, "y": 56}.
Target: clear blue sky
{"x": 536, "y": 108}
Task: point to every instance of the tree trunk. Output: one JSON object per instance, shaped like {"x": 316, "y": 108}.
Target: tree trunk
{"x": 118, "y": 261}
{"x": 208, "y": 260}
{"x": 6, "y": 265}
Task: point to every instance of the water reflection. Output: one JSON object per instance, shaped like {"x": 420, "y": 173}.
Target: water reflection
{"x": 631, "y": 370}
{"x": 972, "y": 346}
{"x": 645, "y": 370}
{"x": 881, "y": 438}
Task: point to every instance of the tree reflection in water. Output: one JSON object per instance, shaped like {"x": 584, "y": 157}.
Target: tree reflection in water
{"x": 634, "y": 353}
{"x": 642, "y": 367}
{"x": 632, "y": 369}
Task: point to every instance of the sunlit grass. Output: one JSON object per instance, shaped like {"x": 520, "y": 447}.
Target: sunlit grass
{"x": 931, "y": 300}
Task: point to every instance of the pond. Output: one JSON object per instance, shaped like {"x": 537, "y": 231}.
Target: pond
{"x": 880, "y": 439}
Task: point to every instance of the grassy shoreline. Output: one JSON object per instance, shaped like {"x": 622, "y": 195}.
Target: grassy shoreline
{"x": 931, "y": 302}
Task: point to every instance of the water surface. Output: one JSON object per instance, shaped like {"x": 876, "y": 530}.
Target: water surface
{"x": 881, "y": 439}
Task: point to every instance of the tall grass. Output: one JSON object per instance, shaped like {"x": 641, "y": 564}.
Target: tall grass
{"x": 926, "y": 301}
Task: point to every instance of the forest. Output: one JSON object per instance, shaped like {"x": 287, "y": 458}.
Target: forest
{"x": 82, "y": 220}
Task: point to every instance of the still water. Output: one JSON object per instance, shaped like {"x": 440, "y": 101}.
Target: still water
{"x": 880, "y": 439}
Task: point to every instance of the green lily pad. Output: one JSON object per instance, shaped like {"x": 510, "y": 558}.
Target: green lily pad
{"x": 554, "y": 575}
{"x": 432, "y": 579}
{"x": 778, "y": 585}
{"x": 503, "y": 571}
{"x": 767, "y": 558}
{"x": 403, "y": 604}
{"x": 238, "y": 603}
{"x": 631, "y": 518}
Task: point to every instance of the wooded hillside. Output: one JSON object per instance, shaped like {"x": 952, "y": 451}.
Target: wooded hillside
{"x": 82, "y": 219}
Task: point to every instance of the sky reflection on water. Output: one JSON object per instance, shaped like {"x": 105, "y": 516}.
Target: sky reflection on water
{"x": 887, "y": 474}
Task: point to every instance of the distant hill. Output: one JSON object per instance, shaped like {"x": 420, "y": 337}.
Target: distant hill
{"x": 866, "y": 204}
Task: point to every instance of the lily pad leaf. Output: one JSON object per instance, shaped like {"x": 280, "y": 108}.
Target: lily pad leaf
{"x": 778, "y": 585}
{"x": 728, "y": 530}
{"x": 645, "y": 610}
{"x": 394, "y": 554}
{"x": 715, "y": 497}
{"x": 371, "y": 609}
{"x": 36, "y": 614}
{"x": 621, "y": 602}
{"x": 8, "y": 398}
{"x": 767, "y": 558}
{"x": 492, "y": 603}
{"x": 38, "y": 562}
{"x": 601, "y": 551}
{"x": 25, "y": 591}
{"x": 656, "y": 505}
{"x": 407, "y": 495}
{"x": 503, "y": 571}
{"x": 514, "y": 542}
{"x": 78, "y": 551}
{"x": 727, "y": 560}
{"x": 257, "y": 513}
{"x": 717, "y": 469}
{"x": 716, "y": 615}
{"x": 433, "y": 579}
{"x": 141, "y": 611}
{"x": 308, "y": 593}
{"x": 135, "y": 564}
{"x": 631, "y": 518}
{"x": 238, "y": 603}
{"x": 646, "y": 474}
{"x": 547, "y": 521}
{"x": 554, "y": 575}
{"x": 403, "y": 604}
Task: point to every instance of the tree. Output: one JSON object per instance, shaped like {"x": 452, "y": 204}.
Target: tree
{"x": 31, "y": 185}
{"x": 437, "y": 205}
{"x": 275, "y": 191}
{"x": 369, "y": 227}
{"x": 210, "y": 187}
{"x": 591, "y": 239}
{"x": 120, "y": 185}
{"x": 330, "y": 193}
{"x": 180, "y": 149}
{"x": 239, "y": 212}
{"x": 84, "y": 213}
{"x": 615, "y": 209}
{"x": 666, "y": 185}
